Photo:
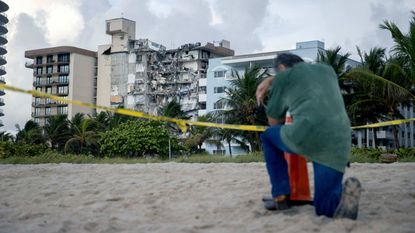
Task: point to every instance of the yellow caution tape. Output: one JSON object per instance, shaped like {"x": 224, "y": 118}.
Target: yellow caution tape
{"x": 182, "y": 124}
{"x": 385, "y": 123}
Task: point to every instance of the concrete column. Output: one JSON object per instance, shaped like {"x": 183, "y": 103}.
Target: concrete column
{"x": 359, "y": 139}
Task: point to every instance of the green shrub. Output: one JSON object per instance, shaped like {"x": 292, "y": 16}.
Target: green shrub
{"x": 9, "y": 149}
{"x": 405, "y": 152}
{"x": 138, "y": 139}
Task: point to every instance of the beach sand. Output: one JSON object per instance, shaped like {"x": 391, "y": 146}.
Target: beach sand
{"x": 180, "y": 197}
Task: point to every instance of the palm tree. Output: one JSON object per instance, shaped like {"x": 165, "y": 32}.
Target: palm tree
{"x": 103, "y": 120}
{"x": 378, "y": 90}
{"x": 404, "y": 48}
{"x": 333, "y": 58}
{"x": 388, "y": 83}
{"x": 173, "y": 110}
{"x": 84, "y": 138}
{"x": 241, "y": 105}
{"x": 6, "y": 136}
{"x": 30, "y": 134}
{"x": 57, "y": 131}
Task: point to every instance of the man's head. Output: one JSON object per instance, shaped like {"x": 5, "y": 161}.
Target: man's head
{"x": 286, "y": 60}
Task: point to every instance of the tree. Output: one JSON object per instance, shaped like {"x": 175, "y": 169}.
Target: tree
{"x": 6, "y": 136}
{"x": 387, "y": 82}
{"x": 57, "y": 131}
{"x": 241, "y": 103}
{"x": 333, "y": 58}
{"x": 30, "y": 134}
{"x": 84, "y": 138}
{"x": 173, "y": 110}
{"x": 403, "y": 49}
{"x": 378, "y": 90}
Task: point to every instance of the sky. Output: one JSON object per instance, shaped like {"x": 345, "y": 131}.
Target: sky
{"x": 250, "y": 25}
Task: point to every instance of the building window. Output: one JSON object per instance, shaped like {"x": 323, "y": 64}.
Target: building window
{"x": 38, "y": 80}
{"x": 64, "y": 68}
{"x": 49, "y": 90}
{"x": 49, "y": 69}
{"x": 49, "y": 59}
{"x": 202, "y": 105}
{"x": 63, "y": 90}
{"x": 38, "y": 60}
{"x": 108, "y": 27}
{"x": 47, "y": 111}
{"x": 48, "y": 101}
{"x": 63, "y": 79}
{"x": 39, "y": 70}
{"x": 49, "y": 79}
{"x": 139, "y": 58}
{"x": 63, "y": 57}
{"x": 202, "y": 90}
{"x": 219, "y": 152}
{"x": 205, "y": 55}
{"x": 63, "y": 110}
{"x": 38, "y": 89}
{"x": 219, "y": 89}
{"x": 62, "y": 102}
{"x": 37, "y": 111}
{"x": 220, "y": 104}
{"x": 219, "y": 74}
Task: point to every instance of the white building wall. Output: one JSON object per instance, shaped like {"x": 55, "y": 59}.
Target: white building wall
{"x": 103, "y": 77}
{"x": 81, "y": 82}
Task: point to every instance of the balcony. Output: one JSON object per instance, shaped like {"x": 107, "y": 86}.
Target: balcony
{"x": 3, "y": 28}
{"x": 1, "y": 102}
{"x": 3, "y": 40}
{"x": 3, "y": 6}
{"x": 2, "y": 71}
{"x": 3, "y": 50}
{"x": 2, "y": 60}
{"x": 29, "y": 64}
{"x": 1, "y": 113}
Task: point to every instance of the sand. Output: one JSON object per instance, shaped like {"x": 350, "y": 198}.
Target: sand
{"x": 178, "y": 197}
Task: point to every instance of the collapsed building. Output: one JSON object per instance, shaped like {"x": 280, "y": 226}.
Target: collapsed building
{"x": 143, "y": 75}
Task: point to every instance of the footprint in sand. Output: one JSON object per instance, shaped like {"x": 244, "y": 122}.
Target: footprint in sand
{"x": 115, "y": 199}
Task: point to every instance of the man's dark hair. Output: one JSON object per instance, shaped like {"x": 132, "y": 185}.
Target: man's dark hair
{"x": 287, "y": 59}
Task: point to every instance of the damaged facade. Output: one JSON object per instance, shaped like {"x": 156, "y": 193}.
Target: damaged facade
{"x": 142, "y": 75}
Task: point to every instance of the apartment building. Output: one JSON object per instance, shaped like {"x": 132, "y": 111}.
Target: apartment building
{"x": 143, "y": 75}
{"x": 65, "y": 71}
{"x": 3, "y": 41}
{"x": 222, "y": 70}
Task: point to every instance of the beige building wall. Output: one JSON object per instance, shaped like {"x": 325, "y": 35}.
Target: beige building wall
{"x": 81, "y": 83}
{"x": 104, "y": 77}
{"x": 122, "y": 30}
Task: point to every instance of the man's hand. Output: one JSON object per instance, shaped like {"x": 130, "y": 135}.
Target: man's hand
{"x": 262, "y": 89}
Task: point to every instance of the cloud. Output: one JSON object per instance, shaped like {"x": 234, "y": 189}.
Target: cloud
{"x": 27, "y": 35}
{"x": 61, "y": 20}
